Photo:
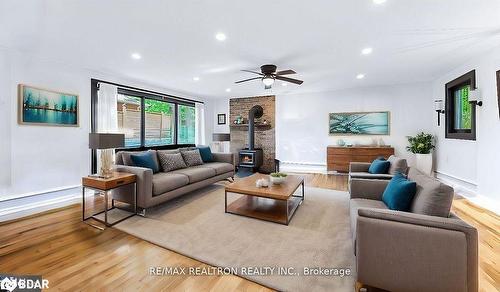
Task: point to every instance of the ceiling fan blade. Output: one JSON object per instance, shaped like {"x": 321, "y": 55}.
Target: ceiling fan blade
{"x": 296, "y": 81}
{"x": 250, "y": 71}
{"x": 248, "y": 79}
{"x": 285, "y": 72}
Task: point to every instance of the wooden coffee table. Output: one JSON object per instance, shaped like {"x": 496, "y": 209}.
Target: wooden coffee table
{"x": 276, "y": 203}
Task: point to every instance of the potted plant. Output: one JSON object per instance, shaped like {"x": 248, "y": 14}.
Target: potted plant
{"x": 421, "y": 145}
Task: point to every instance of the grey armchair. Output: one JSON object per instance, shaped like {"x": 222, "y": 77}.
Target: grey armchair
{"x": 360, "y": 169}
{"x": 412, "y": 251}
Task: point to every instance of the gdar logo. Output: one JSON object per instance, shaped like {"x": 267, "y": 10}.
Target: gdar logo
{"x": 8, "y": 284}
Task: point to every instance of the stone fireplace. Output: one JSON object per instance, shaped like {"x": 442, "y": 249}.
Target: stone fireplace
{"x": 256, "y": 154}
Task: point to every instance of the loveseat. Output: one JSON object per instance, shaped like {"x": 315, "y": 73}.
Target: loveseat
{"x": 425, "y": 249}
{"x": 154, "y": 189}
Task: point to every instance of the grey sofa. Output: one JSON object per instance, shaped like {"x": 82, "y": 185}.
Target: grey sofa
{"x": 427, "y": 249}
{"x": 154, "y": 189}
{"x": 360, "y": 169}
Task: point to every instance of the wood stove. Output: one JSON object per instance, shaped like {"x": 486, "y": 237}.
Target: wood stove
{"x": 252, "y": 157}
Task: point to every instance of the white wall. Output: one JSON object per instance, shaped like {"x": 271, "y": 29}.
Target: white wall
{"x": 473, "y": 166}
{"x": 5, "y": 76}
{"x": 302, "y": 120}
{"x": 221, "y": 106}
{"x": 47, "y": 158}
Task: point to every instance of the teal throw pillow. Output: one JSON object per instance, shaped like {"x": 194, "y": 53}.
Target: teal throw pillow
{"x": 379, "y": 166}
{"x": 399, "y": 193}
{"x": 206, "y": 153}
{"x": 145, "y": 160}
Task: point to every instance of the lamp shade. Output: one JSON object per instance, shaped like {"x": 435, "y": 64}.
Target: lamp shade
{"x": 106, "y": 140}
{"x": 474, "y": 95}
{"x": 221, "y": 137}
{"x": 438, "y": 105}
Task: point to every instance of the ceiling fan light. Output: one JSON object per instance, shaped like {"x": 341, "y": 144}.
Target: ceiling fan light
{"x": 268, "y": 80}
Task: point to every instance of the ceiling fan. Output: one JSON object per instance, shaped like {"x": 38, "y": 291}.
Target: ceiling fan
{"x": 268, "y": 75}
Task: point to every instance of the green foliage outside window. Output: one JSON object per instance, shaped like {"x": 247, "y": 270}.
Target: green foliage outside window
{"x": 186, "y": 125}
{"x": 156, "y": 106}
{"x": 463, "y": 109}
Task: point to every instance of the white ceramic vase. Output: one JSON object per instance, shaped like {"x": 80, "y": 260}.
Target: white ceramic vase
{"x": 277, "y": 180}
{"x": 424, "y": 163}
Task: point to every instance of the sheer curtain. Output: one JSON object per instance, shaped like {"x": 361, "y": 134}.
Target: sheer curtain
{"x": 107, "y": 116}
{"x": 107, "y": 120}
{"x": 199, "y": 138}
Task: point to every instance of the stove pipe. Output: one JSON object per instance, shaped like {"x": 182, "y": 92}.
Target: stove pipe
{"x": 255, "y": 112}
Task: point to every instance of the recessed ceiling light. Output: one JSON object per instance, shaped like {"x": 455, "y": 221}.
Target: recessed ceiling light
{"x": 379, "y": 1}
{"x": 284, "y": 84}
{"x": 360, "y": 76}
{"x": 228, "y": 89}
{"x": 136, "y": 56}
{"x": 196, "y": 78}
{"x": 366, "y": 51}
{"x": 220, "y": 36}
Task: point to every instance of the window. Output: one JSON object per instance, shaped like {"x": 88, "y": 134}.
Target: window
{"x": 159, "y": 122}
{"x": 152, "y": 121}
{"x": 186, "y": 124}
{"x": 129, "y": 119}
{"x": 149, "y": 120}
{"x": 460, "y": 113}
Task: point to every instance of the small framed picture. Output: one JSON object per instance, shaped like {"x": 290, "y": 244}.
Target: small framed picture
{"x": 221, "y": 119}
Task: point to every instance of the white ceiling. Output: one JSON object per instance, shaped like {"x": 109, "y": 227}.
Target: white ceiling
{"x": 412, "y": 40}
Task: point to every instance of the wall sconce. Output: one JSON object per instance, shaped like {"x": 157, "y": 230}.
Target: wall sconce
{"x": 475, "y": 97}
{"x": 439, "y": 107}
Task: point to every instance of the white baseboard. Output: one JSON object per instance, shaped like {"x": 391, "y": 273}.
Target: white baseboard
{"x": 468, "y": 190}
{"x": 25, "y": 206}
{"x": 299, "y": 167}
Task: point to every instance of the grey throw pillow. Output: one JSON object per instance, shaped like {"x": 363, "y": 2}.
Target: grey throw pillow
{"x": 192, "y": 157}
{"x": 397, "y": 165}
{"x": 170, "y": 161}
{"x": 432, "y": 198}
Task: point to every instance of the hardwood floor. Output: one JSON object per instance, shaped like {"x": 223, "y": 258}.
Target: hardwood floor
{"x": 75, "y": 256}
{"x": 488, "y": 229}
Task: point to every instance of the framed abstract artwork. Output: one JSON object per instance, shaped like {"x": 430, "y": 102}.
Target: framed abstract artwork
{"x": 44, "y": 107}
{"x": 359, "y": 123}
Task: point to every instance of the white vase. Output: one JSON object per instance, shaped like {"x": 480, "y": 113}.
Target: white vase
{"x": 424, "y": 163}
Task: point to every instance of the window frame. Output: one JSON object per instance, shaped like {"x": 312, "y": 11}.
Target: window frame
{"x": 468, "y": 78}
{"x": 143, "y": 95}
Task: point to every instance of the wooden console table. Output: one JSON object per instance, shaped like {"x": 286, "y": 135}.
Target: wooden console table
{"x": 338, "y": 158}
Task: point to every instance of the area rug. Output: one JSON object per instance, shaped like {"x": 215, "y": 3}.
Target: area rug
{"x": 318, "y": 239}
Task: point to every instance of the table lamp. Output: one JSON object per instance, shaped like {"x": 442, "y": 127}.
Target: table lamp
{"x": 106, "y": 142}
{"x": 220, "y": 138}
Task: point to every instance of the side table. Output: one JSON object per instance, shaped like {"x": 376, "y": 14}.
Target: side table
{"x": 104, "y": 186}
